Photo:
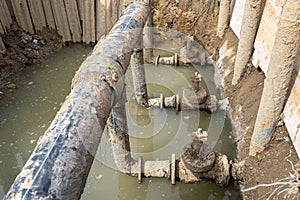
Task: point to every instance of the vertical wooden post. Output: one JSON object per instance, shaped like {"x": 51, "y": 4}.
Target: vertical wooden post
{"x": 21, "y": 11}
{"x": 249, "y": 27}
{"x": 49, "y": 14}
{"x": 224, "y": 17}
{"x": 108, "y": 14}
{"x": 89, "y": 28}
{"x": 2, "y": 46}
{"x": 5, "y": 17}
{"x": 2, "y": 30}
{"x": 100, "y": 19}
{"x": 80, "y": 8}
{"x": 276, "y": 84}
{"x": 73, "y": 19}
{"x": 115, "y": 11}
{"x": 61, "y": 20}
{"x": 37, "y": 14}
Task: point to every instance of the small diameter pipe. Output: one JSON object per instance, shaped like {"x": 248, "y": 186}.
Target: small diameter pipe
{"x": 172, "y": 60}
{"x": 139, "y": 77}
{"x": 118, "y": 134}
{"x": 60, "y": 163}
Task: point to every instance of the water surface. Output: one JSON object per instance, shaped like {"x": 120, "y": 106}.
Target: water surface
{"x": 154, "y": 134}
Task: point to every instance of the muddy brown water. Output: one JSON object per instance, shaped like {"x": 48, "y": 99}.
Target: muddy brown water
{"x": 154, "y": 134}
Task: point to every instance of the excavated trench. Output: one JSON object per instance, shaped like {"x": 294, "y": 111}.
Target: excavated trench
{"x": 154, "y": 133}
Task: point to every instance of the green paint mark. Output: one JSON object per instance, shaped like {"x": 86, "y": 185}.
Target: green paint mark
{"x": 89, "y": 63}
{"x": 109, "y": 66}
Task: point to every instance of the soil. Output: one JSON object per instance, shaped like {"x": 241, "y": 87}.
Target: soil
{"x": 21, "y": 52}
{"x": 198, "y": 18}
{"x": 276, "y": 162}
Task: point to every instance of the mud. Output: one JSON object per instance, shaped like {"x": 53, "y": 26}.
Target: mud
{"x": 22, "y": 50}
{"x": 199, "y": 19}
{"x": 276, "y": 162}
{"x": 190, "y": 17}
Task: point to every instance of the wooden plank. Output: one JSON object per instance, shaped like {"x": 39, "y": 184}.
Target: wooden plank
{"x": 264, "y": 42}
{"x": 89, "y": 29}
{"x": 292, "y": 108}
{"x": 73, "y": 18}
{"x": 121, "y": 8}
{"x": 2, "y": 46}
{"x": 5, "y": 17}
{"x": 22, "y": 14}
{"x": 112, "y": 12}
{"x": 108, "y": 15}
{"x": 2, "y": 31}
{"x": 100, "y": 19}
{"x": 61, "y": 20}
{"x": 49, "y": 14}
{"x": 237, "y": 15}
{"x": 37, "y": 14}
{"x": 115, "y": 4}
{"x": 80, "y": 8}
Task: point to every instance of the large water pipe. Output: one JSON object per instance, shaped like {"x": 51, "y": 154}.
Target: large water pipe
{"x": 60, "y": 163}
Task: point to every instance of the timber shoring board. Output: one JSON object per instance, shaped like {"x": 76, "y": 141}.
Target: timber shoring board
{"x": 121, "y": 8}
{"x": 22, "y": 14}
{"x": 5, "y": 17}
{"x": 2, "y": 31}
{"x": 61, "y": 20}
{"x": 2, "y": 46}
{"x": 74, "y": 21}
{"x": 80, "y": 8}
{"x": 89, "y": 28}
{"x": 112, "y": 12}
{"x": 115, "y": 4}
{"x": 108, "y": 15}
{"x": 49, "y": 14}
{"x": 100, "y": 19}
{"x": 37, "y": 14}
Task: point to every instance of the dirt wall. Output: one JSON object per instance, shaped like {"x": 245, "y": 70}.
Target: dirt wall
{"x": 199, "y": 19}
{"x": 196, "y": 18}
{"x": 22, "y": 50}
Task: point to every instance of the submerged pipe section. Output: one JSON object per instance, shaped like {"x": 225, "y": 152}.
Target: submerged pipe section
{"x": 138, "y": 75}
{"x": 59, "y": 165}
{"x": 118, "y": 135}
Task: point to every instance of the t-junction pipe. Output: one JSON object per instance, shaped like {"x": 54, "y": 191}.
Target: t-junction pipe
{"x": 59, "y": 165}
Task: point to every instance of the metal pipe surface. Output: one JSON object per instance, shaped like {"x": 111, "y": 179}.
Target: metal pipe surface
{"x": 59, "y": 165}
